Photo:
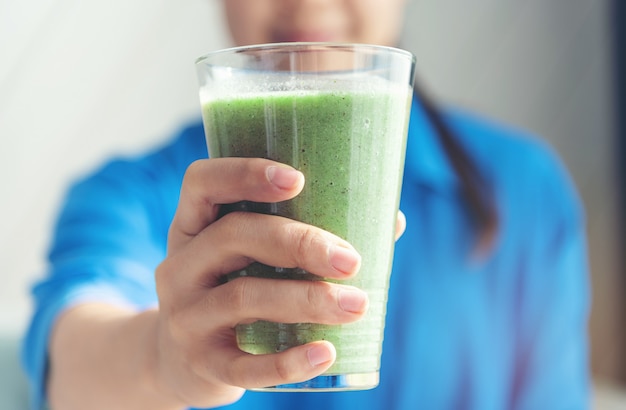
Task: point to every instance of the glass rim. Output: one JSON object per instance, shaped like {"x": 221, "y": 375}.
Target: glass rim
{"x": 317, "y": 45}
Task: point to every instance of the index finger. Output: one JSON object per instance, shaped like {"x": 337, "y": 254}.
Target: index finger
{"x": 209, "y": 183}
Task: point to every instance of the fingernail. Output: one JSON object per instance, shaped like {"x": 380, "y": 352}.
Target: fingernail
{"x": 320, "y": 354}
{"x": 344, "y": 260}
{"x": 352, "y": 300}
{"x": 283, "y": 177}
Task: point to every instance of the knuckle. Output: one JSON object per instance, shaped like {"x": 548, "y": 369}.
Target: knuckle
{"x": 163, "y": 281}
{"x": 253, "y": 166}
{"x": 304, "y": 239}
{"x": 177, "y": 313}
{"x": 210, "y": 303}
{"x": 250, "y": 171}
{"x": 282, "y": 369}
{"x": 235, "y": 227}
{"x": 235, "y": 223}
{"x": 194, "y": 169}
{"x": 177, "y": 323}
{"x": 238, "y": 295}
{"x": 195, "y": 166}
{"x": 319, "y": 297}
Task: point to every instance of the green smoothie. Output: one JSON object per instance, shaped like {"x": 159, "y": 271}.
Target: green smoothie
{"x": 350, "y": 146}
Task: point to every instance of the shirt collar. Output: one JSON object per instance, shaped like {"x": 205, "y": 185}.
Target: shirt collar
{"x": 426, "y": 160}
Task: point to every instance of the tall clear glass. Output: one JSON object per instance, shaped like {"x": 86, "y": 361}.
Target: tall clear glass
{"x": 339, "y": 113}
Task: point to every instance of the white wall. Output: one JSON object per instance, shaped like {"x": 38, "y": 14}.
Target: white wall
{"x": 80, "y": 81}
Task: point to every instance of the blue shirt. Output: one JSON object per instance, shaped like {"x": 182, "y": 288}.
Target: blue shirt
{"x": 504, "y": 331}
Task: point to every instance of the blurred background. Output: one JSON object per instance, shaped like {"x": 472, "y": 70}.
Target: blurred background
{"x": 82, "y": 81}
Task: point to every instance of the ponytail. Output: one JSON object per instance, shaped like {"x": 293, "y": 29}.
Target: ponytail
{"x": 474, "y": 188}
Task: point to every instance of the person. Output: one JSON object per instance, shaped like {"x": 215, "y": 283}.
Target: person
{"x": 488, "y": 299}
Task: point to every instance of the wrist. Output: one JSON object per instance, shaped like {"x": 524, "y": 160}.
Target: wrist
{"x": 153, "y": 380}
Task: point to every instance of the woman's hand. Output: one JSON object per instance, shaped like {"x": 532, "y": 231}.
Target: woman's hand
{"x": 184, "y": 353}
{"x": 198, "y": 360}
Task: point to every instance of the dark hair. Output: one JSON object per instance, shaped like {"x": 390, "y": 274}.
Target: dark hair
{"x": 475, "y": 189}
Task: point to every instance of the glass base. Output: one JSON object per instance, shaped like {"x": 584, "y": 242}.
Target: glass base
{"x": 329, "y": 383}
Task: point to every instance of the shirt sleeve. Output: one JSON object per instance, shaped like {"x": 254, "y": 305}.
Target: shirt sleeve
{"x": 109, "y": 237}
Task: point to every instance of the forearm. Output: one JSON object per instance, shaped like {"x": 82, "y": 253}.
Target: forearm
{"x": 104, "y": 357}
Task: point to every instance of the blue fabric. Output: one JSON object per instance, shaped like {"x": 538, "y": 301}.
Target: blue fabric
{"x": 504, "y": 331}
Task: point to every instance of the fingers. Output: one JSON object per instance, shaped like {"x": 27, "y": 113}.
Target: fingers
{"x": 237, "y": 239}
{"x": 209, "y": 183}
{"x": 294, "y": 365}
{"x": 285, "y": 301}
{"x": 206, "y": 312}
{"x": 400, "y": 224}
